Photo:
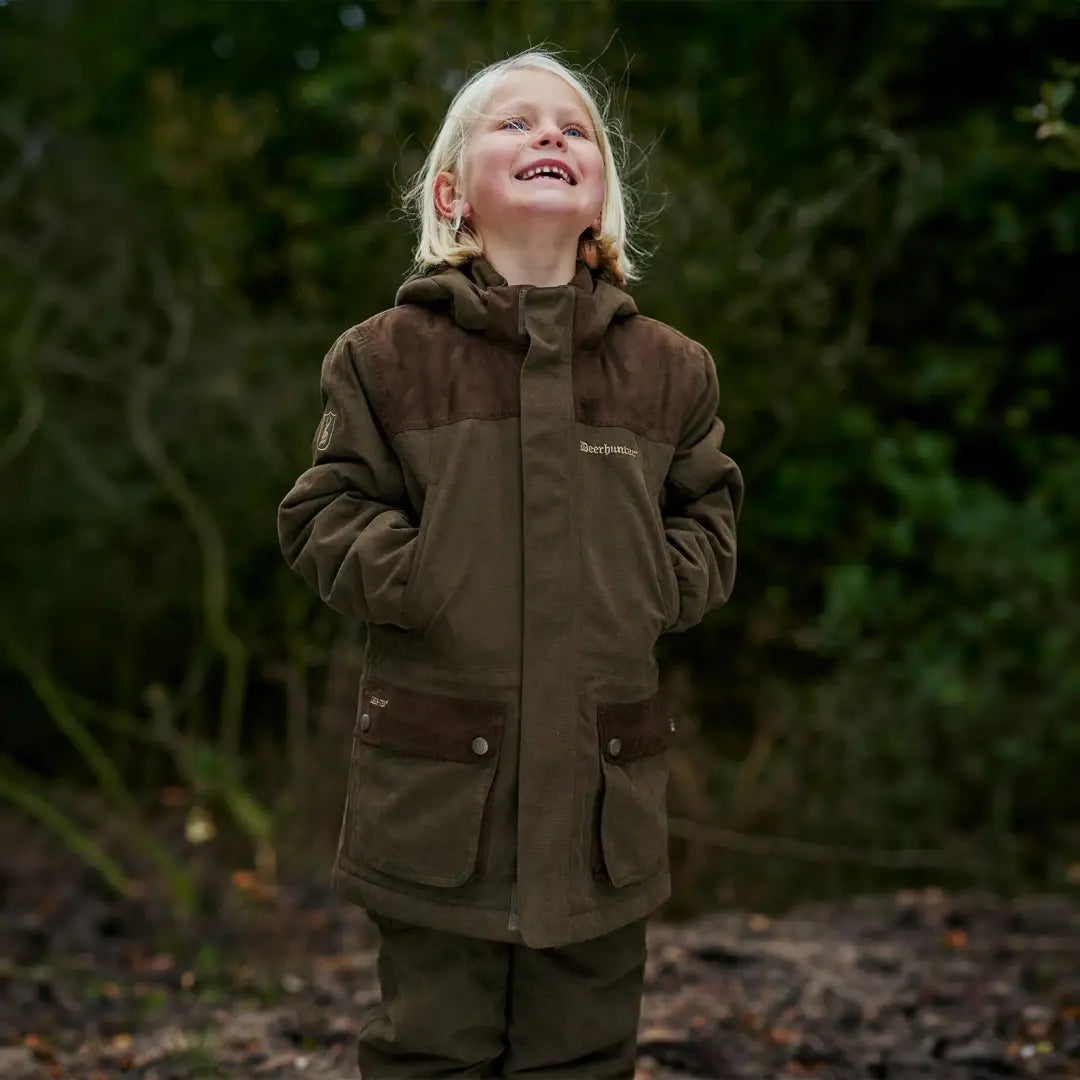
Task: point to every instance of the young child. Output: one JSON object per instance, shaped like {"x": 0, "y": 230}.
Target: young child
{"x": 518, "y": 486}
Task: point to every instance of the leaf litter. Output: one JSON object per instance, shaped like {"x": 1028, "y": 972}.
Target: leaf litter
{"x": 272, "y": 982}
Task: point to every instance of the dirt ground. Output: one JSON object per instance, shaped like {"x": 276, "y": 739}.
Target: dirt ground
{"x": 272, "y": 984}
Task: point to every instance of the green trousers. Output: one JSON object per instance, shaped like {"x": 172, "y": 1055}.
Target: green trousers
{"x": 462, "y": 1006}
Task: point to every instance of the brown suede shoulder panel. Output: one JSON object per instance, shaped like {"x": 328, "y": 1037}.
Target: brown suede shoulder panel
{"x": 431, "y": 372}
{"x": 428, "y": 372}
{"x": 644, "y": 376}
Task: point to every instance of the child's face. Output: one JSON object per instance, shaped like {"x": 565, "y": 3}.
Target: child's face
{"x": 534, "y": 118}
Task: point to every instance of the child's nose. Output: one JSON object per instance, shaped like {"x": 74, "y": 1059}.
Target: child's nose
{"x": 551, "y": 136}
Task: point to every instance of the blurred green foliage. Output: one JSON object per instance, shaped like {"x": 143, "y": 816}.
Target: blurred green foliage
{"x": 1049, "y": 114}
{"x": 849, "y": 205}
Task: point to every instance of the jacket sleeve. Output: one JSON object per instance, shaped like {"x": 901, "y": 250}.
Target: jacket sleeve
{"x": 703, "y": 495}
{"x": 343, "y": 527}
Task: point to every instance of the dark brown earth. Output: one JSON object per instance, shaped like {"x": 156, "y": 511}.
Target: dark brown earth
{"x": 271, "y": 984}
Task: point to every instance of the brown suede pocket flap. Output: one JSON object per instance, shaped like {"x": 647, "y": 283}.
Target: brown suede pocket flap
{"x": 634, "y": 729}
{"x": 429, "y": 725}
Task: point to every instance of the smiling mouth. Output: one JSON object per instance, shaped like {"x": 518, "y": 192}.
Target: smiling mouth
{"x": 553, "y": 172}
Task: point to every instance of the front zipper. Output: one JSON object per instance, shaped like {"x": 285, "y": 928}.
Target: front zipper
{"x": 512, "y": 924}
{"x": 521, "y": 310}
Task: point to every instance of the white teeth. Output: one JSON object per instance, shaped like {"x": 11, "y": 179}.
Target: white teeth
{"x": 547, "y": 170}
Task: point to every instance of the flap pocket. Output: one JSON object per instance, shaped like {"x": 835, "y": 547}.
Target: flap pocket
{"x": 420, "y": 781}
{"x": 429, "y": 725}
{"x": 633, "y": 811}
{"x": 634, "y": 730}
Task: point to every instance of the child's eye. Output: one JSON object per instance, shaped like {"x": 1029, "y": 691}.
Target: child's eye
{"x": 515, "y": 123}
{"x": 577, "y": 131}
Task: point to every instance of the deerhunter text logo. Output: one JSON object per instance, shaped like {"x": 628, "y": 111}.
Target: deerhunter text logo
{"x": 607, "y": 448}
{"x": 379, "y": 702}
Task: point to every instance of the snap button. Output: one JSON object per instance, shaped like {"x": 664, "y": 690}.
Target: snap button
{"x": 365, "y": 721}
{"x": 614, "y": 746}
{"x": 479, "y": 746}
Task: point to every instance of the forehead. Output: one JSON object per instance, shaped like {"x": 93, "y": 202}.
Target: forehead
{"x": 532, "y": 87}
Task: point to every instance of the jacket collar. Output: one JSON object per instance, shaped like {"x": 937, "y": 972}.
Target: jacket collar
{"x": 477, "y": 298}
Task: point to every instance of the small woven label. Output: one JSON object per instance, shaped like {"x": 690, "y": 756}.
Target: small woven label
{"x": 325, "y": 430}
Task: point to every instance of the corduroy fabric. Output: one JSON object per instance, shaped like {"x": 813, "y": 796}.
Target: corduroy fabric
{"x": 462, "y": 1007}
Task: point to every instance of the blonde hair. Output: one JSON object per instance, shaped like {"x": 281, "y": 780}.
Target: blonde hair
{"x": 444, "y": 241}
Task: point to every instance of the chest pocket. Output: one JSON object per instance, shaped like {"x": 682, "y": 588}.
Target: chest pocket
{"x": 633, "y": 808}
{"x": 420, "y": 782}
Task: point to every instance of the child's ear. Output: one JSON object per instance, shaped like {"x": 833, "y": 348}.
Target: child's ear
{"x": 446, "y": 197}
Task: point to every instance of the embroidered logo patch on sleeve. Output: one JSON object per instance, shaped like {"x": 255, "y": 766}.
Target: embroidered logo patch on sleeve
{"x": 325, "y": 430}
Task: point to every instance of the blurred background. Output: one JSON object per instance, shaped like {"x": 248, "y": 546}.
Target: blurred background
{"x": 869, "y": 213}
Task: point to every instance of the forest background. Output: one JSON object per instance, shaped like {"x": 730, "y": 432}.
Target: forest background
{"x": 868, "y": 212}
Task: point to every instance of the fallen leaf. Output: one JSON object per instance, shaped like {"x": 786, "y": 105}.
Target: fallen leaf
{"x": 955, "y": 939}
{"x": 785, "y": 1036}
{"x": 658, "y": 1033}
{"x": 243, "y": 879}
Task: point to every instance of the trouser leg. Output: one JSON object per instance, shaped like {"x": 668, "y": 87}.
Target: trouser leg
{"x": 573, "y": 1011}
{"x": 443, "y": 1008}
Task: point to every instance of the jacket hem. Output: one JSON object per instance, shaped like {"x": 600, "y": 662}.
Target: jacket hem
{"x": 487, "y": 923}
{"x": 491, "y": 924}
{"x": 583, "y": 925}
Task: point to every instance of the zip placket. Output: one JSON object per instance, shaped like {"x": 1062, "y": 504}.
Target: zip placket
{"x": 521, "y": 309}
{"x": 549, "y": 703}
{"x": 513, "y": 922}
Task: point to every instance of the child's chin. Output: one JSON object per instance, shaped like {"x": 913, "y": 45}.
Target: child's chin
{"x": 550, "y": 203}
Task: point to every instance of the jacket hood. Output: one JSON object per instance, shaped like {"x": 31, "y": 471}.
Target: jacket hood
{"x": 478, "y": 298}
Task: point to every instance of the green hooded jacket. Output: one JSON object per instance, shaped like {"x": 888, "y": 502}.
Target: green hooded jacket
{"x": 518, "y": 490}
